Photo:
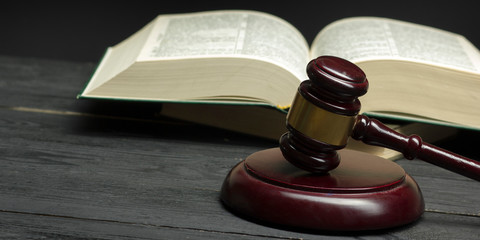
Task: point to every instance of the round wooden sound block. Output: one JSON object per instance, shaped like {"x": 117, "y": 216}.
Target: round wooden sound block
{"x": 364, "y": 192}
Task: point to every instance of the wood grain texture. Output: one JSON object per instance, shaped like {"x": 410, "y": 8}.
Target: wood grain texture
{"x": 104, "y": 170}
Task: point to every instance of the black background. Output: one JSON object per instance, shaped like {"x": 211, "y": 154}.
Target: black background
{"x": 82, "y": 30}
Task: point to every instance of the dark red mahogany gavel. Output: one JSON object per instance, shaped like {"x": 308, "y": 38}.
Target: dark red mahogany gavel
{"x": 312, "y": 182}
{"x": 324, "y": 115}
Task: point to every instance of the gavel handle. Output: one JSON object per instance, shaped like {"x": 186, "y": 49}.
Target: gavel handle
{"x": 373, "y": 132}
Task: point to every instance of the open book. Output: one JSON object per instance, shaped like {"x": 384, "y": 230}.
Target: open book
{"x": 240, "y": 69}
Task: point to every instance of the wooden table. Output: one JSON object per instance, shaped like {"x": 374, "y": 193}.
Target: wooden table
{"x": 112, "y": 170}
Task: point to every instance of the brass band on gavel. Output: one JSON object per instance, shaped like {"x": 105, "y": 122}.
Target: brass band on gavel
{"x": 319, "y": 124}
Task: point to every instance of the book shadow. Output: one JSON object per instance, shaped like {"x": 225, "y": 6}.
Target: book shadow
{"x": 144, "y": 119}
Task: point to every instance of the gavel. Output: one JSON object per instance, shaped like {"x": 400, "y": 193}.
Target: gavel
{"x": 311, "y": 182}
{"x": 324, "y": 114}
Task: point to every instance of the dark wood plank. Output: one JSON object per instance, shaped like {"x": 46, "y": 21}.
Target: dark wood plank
{"x": 443, "y": 190}
{"x": 52, "y": 167}
{"x": 14, "y": 225}
{"x": 49, "y": 169}
{"x": 42, "y": 83}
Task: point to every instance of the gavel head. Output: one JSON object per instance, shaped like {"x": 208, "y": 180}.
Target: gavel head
{"x": 323, "y": 113}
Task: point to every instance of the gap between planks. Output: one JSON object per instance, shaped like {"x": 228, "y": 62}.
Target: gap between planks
{"x": 144, "y": 224}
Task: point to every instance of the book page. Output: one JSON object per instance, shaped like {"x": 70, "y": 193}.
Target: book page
{"x": 228, "y": 33}
{"x": 367, "y": 38}
{"x": 119, "y": 58}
